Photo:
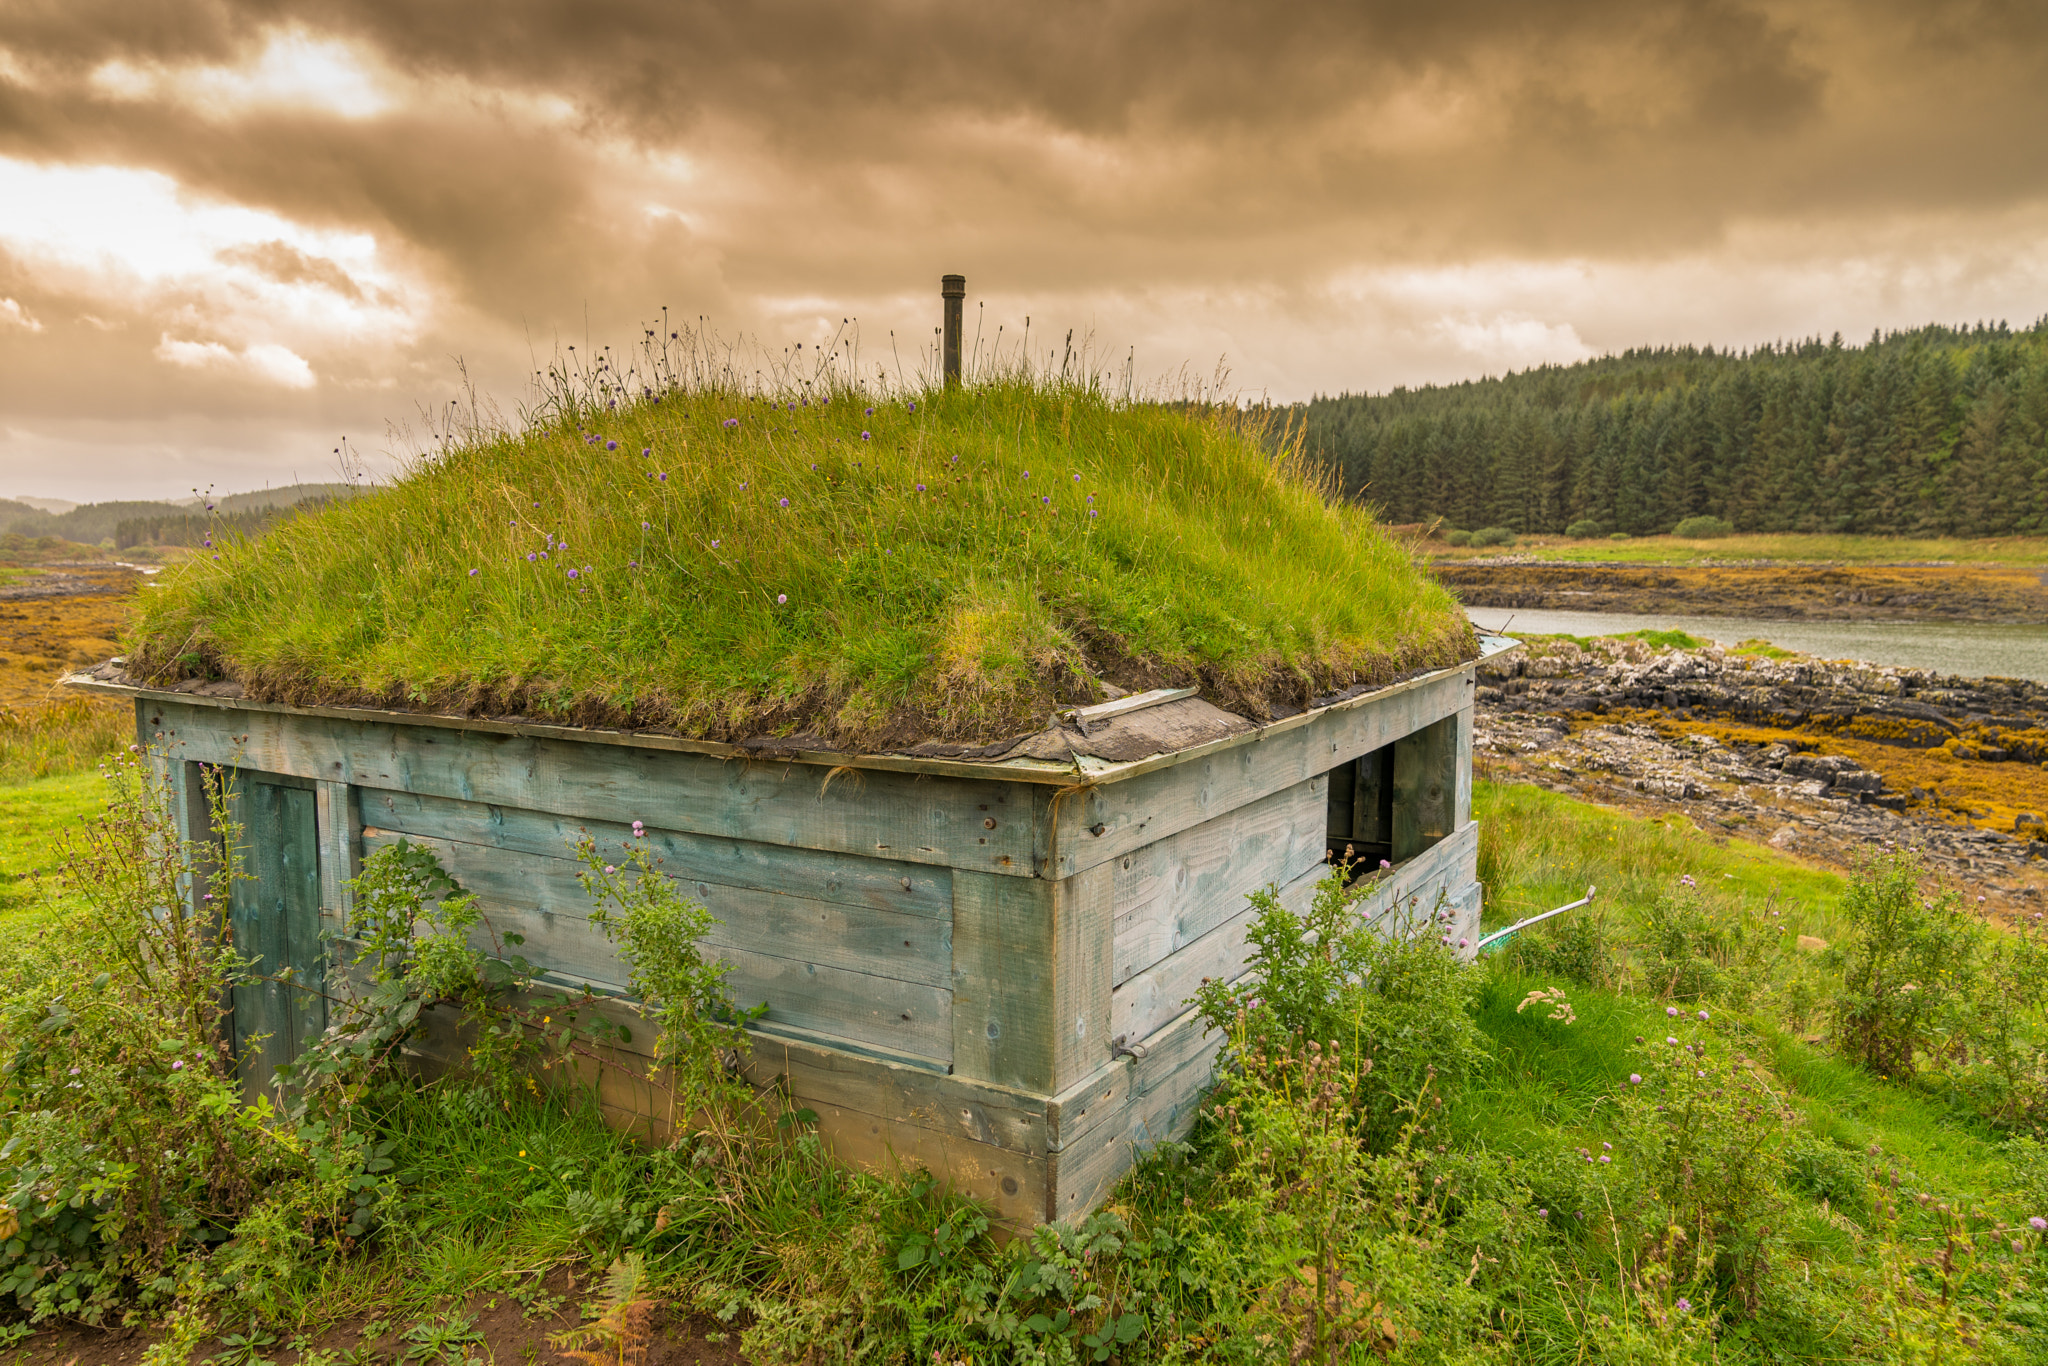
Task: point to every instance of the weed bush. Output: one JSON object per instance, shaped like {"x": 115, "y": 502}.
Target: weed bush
{"x": 1703, "y": 528}
{"x": 1493, "y": 535}
{"x": 1585, "y": 529}
{"x": 1392, "y": 994}
{"x": 1907, "y": 970}
{"x": 1458, "y": 538}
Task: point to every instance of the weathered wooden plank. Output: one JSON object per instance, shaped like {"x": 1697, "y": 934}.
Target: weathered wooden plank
{"x": 882, "y": 884}
{"x": 1149, "y": 1000}
{"x": 1083, "y": 961}
{"x": 1461, "y": 814}
{"x": 1425, "y": 787}
{"x": 1105, "y": 821}
{"x": 803, "y": 978}
{"x": 909, "y": 948}
{"x": 1372, "y": 812}
{"x": 1450, "y": 865}
{"x": 986, "y": 1142}
{"x": 1031, "y": 966}
{"x": 1162, "y": 1100}
{"x": 340, "y": 843}
{"x": 985, "y": 825}
{"x": 1003, "y": 969}
{"x": 1101, "y": 1098}
{"x": 1172, "y": 892}
{"x": 1343, "y": 779}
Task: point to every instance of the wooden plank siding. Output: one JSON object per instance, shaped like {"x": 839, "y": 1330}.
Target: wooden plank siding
{"x": 876, "y": 883}
{"x": 1104, "y": 821}
{"x": 1031, "y": 978}
{"x": 875, "y": 976}
{"x": 982, "y": 824}
{"x": 1146, "y": 1001}
{"x": 1173, "y": 891}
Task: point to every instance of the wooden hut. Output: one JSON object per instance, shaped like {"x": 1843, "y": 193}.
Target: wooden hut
{"x": 980, "y": 963}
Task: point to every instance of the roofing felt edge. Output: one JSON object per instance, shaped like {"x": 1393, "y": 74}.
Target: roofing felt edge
{"x": 1085, "y": 771}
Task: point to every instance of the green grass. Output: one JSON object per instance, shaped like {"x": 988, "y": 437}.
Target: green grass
{"x": 47, "y": 739}
{"x": 949, "y": 564}
{"x": 2020, "y": 550}
{"x": 34, "y": 817}
{"x": 1538, "y": 849}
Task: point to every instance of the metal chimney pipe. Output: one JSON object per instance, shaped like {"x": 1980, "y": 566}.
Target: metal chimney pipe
{"x": 952, "y": 289}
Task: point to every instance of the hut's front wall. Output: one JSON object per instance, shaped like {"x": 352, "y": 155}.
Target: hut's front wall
{"x": 987, "y": 976}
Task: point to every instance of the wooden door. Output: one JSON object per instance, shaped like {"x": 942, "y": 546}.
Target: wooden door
{"x": 274, "y": 916}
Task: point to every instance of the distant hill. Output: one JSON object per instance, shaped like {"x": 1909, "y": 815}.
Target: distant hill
{"x": 131, "y": 523}
{"x": 53, "y": 505}
{"x": 1938, "y": 431}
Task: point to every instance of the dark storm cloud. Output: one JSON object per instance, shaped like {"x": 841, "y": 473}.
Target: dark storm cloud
{"x": 535, "y": 165}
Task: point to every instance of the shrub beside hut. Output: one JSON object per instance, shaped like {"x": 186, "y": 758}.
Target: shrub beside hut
{"x": 973, "y": 716}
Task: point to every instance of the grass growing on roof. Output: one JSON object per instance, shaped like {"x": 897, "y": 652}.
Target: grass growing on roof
{"x": 871, "y": 569}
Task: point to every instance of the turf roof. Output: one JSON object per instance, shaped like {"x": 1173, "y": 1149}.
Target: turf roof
{"x": 949, "y": 565}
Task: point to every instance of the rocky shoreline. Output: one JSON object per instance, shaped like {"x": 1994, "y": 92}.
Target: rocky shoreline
{"x": 1826, "y": 759}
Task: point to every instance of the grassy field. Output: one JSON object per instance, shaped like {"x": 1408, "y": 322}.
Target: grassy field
{"x": 512, "y": 1200}
{"x": 2014, "y": 550}
{"x": 725, "y": 564}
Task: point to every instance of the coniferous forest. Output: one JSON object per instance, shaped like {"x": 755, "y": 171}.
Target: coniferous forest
{"x": 1933, "y": 432}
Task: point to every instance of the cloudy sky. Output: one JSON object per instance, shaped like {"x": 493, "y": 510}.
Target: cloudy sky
{"x": 233, "y": 233}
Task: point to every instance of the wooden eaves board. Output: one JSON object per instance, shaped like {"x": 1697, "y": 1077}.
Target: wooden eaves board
{"x": 1087, "y": 771}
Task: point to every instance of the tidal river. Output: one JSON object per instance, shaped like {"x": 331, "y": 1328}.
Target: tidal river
{"x": 1971, "y": 649}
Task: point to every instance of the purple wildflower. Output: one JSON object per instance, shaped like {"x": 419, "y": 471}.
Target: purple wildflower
{"x": 1685, "y": 880}
{"x": 1027, "y": 474}
{"x": 867, "y": 436}
{"x": 663, "y": 476}
{"x": 611, "y": 445}
{"x": 781, "y": 597}
{"x": 474, "y": 572}
{"x": 632, "y": 564}
{"x": 1091, "y": 512}
{"x": 871, "y": 412}
{"x": 1635, "y": 1079}
{"x": 2038, "y": 1224}
{"x": 529, "y": 557}
{"x": 178, "y": 1066}
{"x": 714, "y": 545}
{"x": 920, "y": 488}
{"x": 730, "y": 422}
{"x": 1671, "y": 1011}
{"x": 644, "y": 526}
{"x": 1703, "y": 1014}
{"x": 1045, "y": 500}
{"x": 1605, "y": 1158}
{"x": 1684, "y": 1305}
{"x": 1669, "y": 1039}
{"x": 1542, "y": 1214}
{"x": 782, "y": 502}
{"x": 639, "y": 828}
{"x": 543, "y": 555}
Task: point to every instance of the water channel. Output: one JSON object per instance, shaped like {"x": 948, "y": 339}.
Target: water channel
{"x": 1971, "y": 649}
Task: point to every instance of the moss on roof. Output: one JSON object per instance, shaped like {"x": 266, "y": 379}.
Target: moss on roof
{"x": 872, "y": 571}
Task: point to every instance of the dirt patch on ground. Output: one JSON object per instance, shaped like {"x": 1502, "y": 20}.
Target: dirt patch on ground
{"x": 500, "y": 1327}
{"x": 1785, "y": 592}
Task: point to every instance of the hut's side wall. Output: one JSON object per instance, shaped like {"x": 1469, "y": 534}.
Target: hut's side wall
{"x": 949, "y": 962}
